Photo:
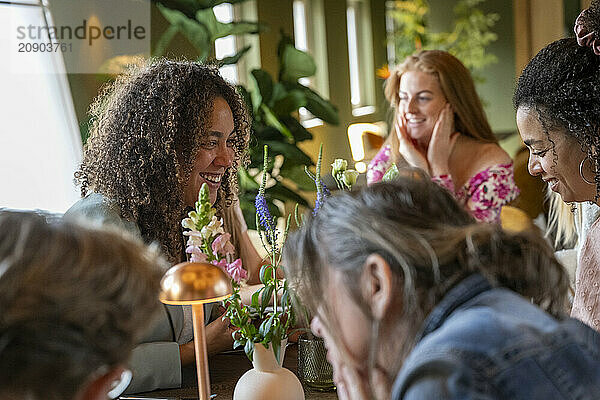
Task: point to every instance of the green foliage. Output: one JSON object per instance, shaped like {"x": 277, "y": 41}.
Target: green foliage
{"x": 274, "y": 106}
{"x": 273, "y": 103}
{"x": 196, "y": 20}
{"x": 471, "y": 33}
{"x": 258, "y": 323}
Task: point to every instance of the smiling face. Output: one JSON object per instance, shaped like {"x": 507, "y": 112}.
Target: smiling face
{"x": 420, "y": 101}
{"x": 555, "y": 157}
{"x": 216, "y": 154}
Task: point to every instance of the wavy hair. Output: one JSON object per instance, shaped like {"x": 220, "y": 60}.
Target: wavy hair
{"x": 146, "y": 129}
{"x": 74, "y": 298}
{"x": 457, "y": 86}
{"x": 430, "y": 242}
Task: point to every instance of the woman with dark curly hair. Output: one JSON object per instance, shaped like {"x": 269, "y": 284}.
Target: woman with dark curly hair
{"x": 157, "y": 134}
{"x": 558, "y": 115}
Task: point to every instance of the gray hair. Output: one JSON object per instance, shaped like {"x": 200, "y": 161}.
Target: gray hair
{"x": 74, "y": 299}
{"x": 430, "y": 243}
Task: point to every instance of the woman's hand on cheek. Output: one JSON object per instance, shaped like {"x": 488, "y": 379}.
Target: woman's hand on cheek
{"x": 442, "y": 142}
{"x": 407, "y": 149}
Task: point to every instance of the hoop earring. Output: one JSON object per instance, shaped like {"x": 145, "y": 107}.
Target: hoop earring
{"x": 581, "y": 171}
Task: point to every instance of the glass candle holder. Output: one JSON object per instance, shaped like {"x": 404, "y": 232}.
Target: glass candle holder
{"x": 313, "y": 368}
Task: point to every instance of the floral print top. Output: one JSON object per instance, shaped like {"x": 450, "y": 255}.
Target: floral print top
{"x": 483, "y": 195}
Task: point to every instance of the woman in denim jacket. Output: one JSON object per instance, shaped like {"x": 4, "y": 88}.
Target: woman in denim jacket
{"x": 416, "y": 300}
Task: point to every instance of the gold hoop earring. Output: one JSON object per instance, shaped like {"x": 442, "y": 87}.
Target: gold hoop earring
{"x": 581, "y": 171}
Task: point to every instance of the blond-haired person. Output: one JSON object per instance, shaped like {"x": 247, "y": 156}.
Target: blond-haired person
{"x": 441, "y": 128}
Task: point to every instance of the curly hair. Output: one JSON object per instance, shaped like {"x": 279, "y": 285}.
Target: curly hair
{"x": 562, "y": 85}
{"x": 146, "y": 129}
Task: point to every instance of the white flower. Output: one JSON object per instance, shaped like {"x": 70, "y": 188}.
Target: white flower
{"x": 194, "y": 238}
{"x": 349, "y": 177}
{"x": 214, "y": 227}
{"x": 188, "y": 223}
{"x": 338, "y": 166}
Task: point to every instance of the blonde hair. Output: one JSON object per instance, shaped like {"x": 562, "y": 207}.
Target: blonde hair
{"x": 561, "y": 221}
{"x": 74, "y": 299}
{"x": 457, "y": 86}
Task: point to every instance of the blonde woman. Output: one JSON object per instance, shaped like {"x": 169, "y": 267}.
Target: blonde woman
{"x": 441, "y": 128}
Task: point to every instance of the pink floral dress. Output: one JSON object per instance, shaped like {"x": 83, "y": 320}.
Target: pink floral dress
{"x": 483, "y": 195}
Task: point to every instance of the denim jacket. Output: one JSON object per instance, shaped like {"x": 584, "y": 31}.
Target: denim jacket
{"x": 484, "y": 342}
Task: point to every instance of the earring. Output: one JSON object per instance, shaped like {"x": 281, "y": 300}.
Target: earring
{"x": 581, "y": 171}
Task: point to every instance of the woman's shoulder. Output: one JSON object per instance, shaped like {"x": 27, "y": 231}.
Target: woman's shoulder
{"x": 477, "y": 158}
{"x": 99, "y": 208}
{"x": 488, "y": 155}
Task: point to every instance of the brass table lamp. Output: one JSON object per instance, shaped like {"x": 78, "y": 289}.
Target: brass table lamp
{"x": 195, "y": 284}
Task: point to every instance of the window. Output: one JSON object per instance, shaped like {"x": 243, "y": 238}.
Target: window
{"x": 360, "y": 54}
{"x": 226, "y": 47}
{"x": 40, "y": 145}
{"x": 309, "y": 13}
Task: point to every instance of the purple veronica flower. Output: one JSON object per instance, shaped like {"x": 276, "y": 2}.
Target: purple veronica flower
{"x": 321, "y": 197}
{"x": 265, "y": 219}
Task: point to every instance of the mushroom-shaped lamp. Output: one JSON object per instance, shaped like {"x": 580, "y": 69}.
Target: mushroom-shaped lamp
{"x": 195, "y": 284}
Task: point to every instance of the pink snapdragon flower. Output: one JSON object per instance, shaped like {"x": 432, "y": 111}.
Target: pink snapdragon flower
{"x": 236, "y": 271}
{"x": 197, "y": 254}
{"x": 221, "y": 245}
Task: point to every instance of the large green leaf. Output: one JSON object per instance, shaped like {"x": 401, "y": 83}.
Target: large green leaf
{"x": 272, "y": 120}
{"x": 296, "y": 64}
{"x": 195, "y": 32}
{"x": 246, "y": 181}
{"x": 165, "y": 40}
{"x": 282, "y": 192}
{"x": 321, "y": 108}
{"x": 279, "y": 92}
{"x": 299, "y": 132}
{"x": 187, "y": 7}
{"x": 265, "y": 132}
{"x": 241, "y": 28}
{"x": 291, "y": 102}
{"x": 295, "y": 173}
{"x": 234, "y": 58}
{"x": 289, "y": 151}
{"x": 212, "y": 3}
{"x": 264, "y": 83}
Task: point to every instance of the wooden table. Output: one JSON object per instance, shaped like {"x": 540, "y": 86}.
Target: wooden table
{"x": 225, "y": 370}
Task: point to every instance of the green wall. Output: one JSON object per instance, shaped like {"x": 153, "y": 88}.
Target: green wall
{"x": 500, "y": 78}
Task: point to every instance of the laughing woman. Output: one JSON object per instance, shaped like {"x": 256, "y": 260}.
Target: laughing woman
{"x": 441, "y": 128}
{"x": 157, "y": 134}
{"x": 558, "y": 107}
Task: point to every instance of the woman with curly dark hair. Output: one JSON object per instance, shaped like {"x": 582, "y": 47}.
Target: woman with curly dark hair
{"x": 157, "y": 134}
{"x": 558, "y": 115}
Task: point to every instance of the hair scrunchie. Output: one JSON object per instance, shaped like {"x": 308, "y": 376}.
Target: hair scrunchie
{"x": 584, "y": 37}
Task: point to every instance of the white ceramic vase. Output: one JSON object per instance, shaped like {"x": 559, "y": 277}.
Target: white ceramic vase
{"x": 268, "y": 380}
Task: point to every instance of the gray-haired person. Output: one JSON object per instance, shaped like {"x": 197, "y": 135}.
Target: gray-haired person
{"x": 416, "y": 300}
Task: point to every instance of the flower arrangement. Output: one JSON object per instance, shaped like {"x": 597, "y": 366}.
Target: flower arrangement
{"x": 207, "y": 240}
{"x": 274, "y": 322}
{"x": 344, "y": 179}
